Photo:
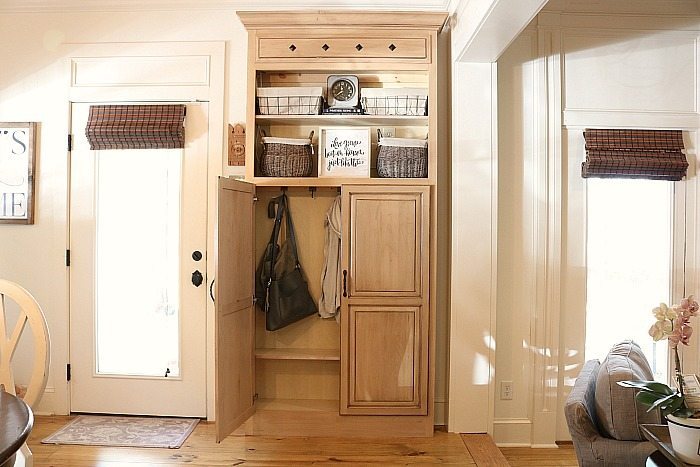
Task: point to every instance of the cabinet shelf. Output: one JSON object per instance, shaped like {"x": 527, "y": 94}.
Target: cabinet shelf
{"x": 298, "y": 405}
{"x": 298, "y": 354}
{"x": 360, "y": 120}
{"x": 337, "y": 181}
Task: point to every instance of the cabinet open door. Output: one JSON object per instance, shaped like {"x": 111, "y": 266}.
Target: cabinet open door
{"x": 235, "y": 312}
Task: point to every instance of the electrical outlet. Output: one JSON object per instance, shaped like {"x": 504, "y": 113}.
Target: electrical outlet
{"x": 388, "y": 132}
{"x": 506, "y": 390}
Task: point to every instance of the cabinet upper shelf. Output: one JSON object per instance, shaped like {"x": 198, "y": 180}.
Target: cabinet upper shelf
{"x": 368, "y": 120}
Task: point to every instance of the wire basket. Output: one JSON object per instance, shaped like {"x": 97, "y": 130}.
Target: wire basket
{"x": 290, "y": 101}
{"x": 390, "y": 101}
{"x": 286, "y": 157}
{"x": 402, "y": 157}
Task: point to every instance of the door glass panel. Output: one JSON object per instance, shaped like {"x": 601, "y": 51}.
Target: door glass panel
{"x": 138, "y": 262}
{"x": 629, "y": 248}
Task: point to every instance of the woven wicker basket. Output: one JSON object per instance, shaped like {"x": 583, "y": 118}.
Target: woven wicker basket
{"x": 402, "y": 157}
{"x": 286, "y": 157}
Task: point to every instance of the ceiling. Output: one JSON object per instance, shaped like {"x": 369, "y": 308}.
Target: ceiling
{"x": 136, "y": 5}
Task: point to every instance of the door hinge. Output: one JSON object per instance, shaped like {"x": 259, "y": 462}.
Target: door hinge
{"x": 67, "y": 258}
{"x": 70, "y": 143}
{"x": 68, "y": 375}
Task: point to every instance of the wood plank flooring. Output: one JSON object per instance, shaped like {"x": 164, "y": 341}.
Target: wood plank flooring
{"x": 563, "y": 456}
{"x": 200, "y": 449}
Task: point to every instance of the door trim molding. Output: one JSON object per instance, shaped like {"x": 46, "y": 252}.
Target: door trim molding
{"x": 181, "y": 87}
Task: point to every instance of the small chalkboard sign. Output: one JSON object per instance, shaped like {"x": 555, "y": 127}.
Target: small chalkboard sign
{"x": 344, "y": 151}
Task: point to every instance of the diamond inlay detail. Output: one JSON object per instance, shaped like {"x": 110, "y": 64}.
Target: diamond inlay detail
{"x": 392, "y": 47}
{"x": 359, "y": 47}
{"x": 292, "y": 47}
{"x": 325, "y": 47}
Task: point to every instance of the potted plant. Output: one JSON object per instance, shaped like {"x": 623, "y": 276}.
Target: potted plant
{"x": 673, "y": 323}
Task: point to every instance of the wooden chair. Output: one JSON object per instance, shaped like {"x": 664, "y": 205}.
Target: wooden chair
{"x": 29, "y": 312}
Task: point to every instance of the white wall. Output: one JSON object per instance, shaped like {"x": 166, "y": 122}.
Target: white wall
{"x": 571, "y": 70}
{"x": 34, "y": 87}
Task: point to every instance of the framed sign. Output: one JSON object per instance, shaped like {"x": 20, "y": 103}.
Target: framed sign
{"x": 344, "y": 151}
{"x": 17, "y": 172}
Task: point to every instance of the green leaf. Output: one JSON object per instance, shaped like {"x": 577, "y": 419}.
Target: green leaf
{"x": 683, "y": 413}
{"x": 664, "y": 402}
{"x": 648, "y": 397}
{"x": 674, "y": 406}
{"x": 651, "y": 386}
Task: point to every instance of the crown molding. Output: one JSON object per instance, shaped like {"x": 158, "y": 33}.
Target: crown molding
{"x": 41, "y": 6}
{"x": 625, "y": 7}
{"x": 347, "y": 18}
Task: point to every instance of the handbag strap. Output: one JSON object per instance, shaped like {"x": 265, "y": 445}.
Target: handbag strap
{"x": 274, "y": 237}
{"x": 283, "y": 211}
{"x": 291, "y": 236}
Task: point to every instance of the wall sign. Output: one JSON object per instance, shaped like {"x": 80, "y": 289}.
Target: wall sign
{"x": 344, "y": 152}
{"x": 17, "y": 172}
{"x": 236, "y": 144}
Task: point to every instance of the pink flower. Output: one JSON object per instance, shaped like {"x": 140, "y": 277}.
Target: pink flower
{"x": 688, "y": 307}
{"x": 673, "y": 323}
{"x": 661, "y": 329}
{"x": 663, "y": 311}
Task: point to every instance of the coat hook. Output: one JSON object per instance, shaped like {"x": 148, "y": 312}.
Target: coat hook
{"x": 312, "y": 190}
{"x": 284, "y": 189}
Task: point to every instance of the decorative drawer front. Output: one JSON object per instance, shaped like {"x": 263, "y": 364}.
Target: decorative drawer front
{"x": 408, "y": 48}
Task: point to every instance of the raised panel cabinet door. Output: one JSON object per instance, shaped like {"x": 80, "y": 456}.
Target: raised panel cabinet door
{"x": 387, "y": 351}
{"x": 235, "y": 313}
{"x": 385, "y": 241}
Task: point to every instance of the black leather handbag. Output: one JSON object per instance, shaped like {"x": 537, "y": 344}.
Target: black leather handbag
{"x": 280, "y": 288}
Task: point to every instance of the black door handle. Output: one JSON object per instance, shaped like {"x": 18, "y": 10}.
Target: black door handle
{"x": 197, "y": 278}
{"x": 345, "y": 283}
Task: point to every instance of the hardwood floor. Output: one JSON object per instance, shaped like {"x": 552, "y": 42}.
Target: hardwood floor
{"x": 200, "y": 449}
{"x": 563, "y": 456}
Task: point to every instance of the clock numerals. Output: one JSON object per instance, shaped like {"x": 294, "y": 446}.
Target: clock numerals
{"x": 343, "y": 91}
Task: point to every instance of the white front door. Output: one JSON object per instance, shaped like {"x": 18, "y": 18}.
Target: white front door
{"x": 138, "y": 227}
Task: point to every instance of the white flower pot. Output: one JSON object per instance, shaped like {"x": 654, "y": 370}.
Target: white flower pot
{"x": 685, "y": 438}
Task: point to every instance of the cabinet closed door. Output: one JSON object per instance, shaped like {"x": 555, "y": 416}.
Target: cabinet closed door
{"x": 385, "y": 314}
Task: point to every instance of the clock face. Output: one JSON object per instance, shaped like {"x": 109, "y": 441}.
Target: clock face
{"x": 343, "y": 90}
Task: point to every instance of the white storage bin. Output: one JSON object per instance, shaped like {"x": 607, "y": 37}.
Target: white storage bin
{"x": 290, "y": 101}
{"x": 395, "y": 101}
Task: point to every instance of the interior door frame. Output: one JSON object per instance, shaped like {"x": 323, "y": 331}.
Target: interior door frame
{"x": 198, "y": 76}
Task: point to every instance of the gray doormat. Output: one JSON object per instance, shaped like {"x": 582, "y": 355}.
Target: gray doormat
{"x": 142, "y": 432}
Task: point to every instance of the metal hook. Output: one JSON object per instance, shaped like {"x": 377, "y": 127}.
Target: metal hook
{"x": 312, "y": 190}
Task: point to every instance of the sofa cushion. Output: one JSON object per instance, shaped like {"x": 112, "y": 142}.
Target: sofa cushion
{"x": 619, "y": 413}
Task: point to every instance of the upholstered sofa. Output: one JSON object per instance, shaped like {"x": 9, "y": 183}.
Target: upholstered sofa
{"x": 603, "y": 417}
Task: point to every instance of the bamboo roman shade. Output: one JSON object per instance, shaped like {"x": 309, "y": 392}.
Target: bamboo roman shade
{"x": 650, "y": 154}
{"x": 136, "y": 126}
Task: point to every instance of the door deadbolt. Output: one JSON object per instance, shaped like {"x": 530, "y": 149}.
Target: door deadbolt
{"x": 197, "y": 278}
{"x": 196, "y": 255}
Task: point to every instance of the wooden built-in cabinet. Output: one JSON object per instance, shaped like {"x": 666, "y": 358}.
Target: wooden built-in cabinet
{"x": 372, "y": 372}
